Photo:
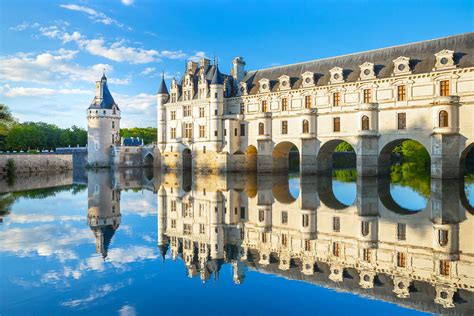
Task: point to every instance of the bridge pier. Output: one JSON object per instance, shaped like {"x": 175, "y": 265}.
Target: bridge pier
{"x": 264, "y": 156}
{"x": 367, "y": 155}
{"x": 308, "y": 157}
{"x": 445, "y": 161}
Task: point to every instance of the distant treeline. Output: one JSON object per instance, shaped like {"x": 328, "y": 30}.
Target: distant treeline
{"x": 38, "y": 136}
{"x": 148, "y": 134}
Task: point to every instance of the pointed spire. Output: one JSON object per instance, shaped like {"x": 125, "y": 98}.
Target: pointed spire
{"x": 162, "y": 89}
{"x": 103, "y": 75}
{"x": 217, "y": 77}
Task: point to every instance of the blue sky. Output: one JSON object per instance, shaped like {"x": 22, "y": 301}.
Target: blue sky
{"x": 51, "y": 52}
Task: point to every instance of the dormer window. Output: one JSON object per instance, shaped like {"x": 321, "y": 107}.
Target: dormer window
{"x": 264, "y": 85}
{"x": 444, "y": 60}
{"x": 367, "y": 71}
{"x": 284, "y": 82}
{"x": 401, "y": 66}
{"x": 242, "y": 88}
{"x": 336, "y": 75}
{"x": 308, "y": 79}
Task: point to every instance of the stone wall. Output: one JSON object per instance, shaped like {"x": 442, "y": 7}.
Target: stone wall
{"x": 35, "y": 163}
{"x": 37, "y": 180}
{"x": 79, "y": 155}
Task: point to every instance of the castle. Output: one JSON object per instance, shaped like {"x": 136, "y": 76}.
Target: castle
{"x": 251, "y": 120}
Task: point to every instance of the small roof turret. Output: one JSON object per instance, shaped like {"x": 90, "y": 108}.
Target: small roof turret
{"x": 217, "y": 77}
{"x": 162, "y": 89}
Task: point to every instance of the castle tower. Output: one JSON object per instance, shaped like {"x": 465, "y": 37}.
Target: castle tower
{"x": 103, "y": 216}
{"x": 216, "y": 109}
{"x": 103, "y": 126}
{"x": 162, "y": 96}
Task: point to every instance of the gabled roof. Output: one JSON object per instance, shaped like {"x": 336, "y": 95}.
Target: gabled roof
{"x": 421, "y": 54}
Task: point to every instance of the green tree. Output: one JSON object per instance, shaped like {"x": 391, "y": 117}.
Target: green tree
{"x": 148, "y": 134}
{"x": 344, "y": 146}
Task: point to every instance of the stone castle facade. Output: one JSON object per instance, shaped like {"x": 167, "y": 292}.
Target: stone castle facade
{"x": 251, "y": 120}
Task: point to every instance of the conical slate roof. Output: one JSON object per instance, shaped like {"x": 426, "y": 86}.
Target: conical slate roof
{"x": 217, "y": 77}
{"x": 107, "y": 101}
{"x": 162, "y": 89}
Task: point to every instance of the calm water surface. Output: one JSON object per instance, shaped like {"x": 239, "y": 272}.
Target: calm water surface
{"x": 134, "y": 243}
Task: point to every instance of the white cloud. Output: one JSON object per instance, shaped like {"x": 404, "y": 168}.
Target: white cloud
{"x": 97, "y": 293}
{"x": 173, "y": 54}
{"x": 197, "y": 56}
{"x": 51, "y": 67}
{"x": 92, "y": 14}
{"x": 119, "y": 51}
{"x": 24, "y": 26}
{"x": 13, "y": 92}
{"x": 127, "y": 2}
{"x": 43, "y": 218}
{"x": 148, "y": 71}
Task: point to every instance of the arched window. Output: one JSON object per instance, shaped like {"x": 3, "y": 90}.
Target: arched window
{"x": 365, "y": 228}
{"x": 443, "y": 119}
{"x": 443, "y": 237}
{"x": 261, "y": 129}
{"x": 305, "y": 126}
{"x": 365, "y": 123}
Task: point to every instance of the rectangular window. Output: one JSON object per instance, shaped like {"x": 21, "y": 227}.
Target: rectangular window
{"x": 336, "y": 224}
{"x": 187, "y": 110}
{"x": 307, "y": 102}
{"x": 202, "y": 131}
{"x": 173, "y": 206}
{"x": 242, "y": 108}
{"x": 337, "y": 124}
{"x": 187, "y": 229}
{"x": 305, "y": 220}
{"x": 284, "y": 240}
{"x": 264, "y": 237}
{"x": 188, "y": 130}
{"x": 173, "y": 133}
{"x": 401, "y": 260}
{"x": 444, "y": 88}
{"x": 284, "y": 217}
{"x": 307, "y": 245}
{"x": 261, "y": 216}
{"x": 401, "y": 93}
{"x": 201, "y": 112}
{"x": 444, "y": 267}
{"x": 336, "y": 99}
{"x": 336, "y": 249}
{"x": 366, "y": 255}
{"x": 264, "y": 106}
{"x": 284, "y": 104}
{"x": 113, "y": 125}
{"x": 173, "y": 223}
{"x": 173, "y": 97}
{"x": 367, "y": 95}
{"x": 242, "y": 212}
{"x": 284, "y": 127}
{"x": 173, "y": 115}
{"x": 401, "y": 231}
{"x": 202, "y": 229}
{"x": 242, "y": 129}
{"x": 402, "y": 120}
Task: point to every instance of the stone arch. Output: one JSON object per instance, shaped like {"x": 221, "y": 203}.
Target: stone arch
{"x": 251, "y": 155}
{"x": 467, "y": 156}
{"x": 326, "y": 194}
{"x": 325, "y": 155}
{"x": 281, "y": 155}
{"x": 385, "y": 154}
{"x": 148, "y": 160}
{"x": 186, "y": 159}
{"x": 387, "y": 200}
{"x": 281, "y": 189}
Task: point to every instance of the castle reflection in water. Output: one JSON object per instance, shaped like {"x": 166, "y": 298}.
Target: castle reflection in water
{"x": 374, "y": 247}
